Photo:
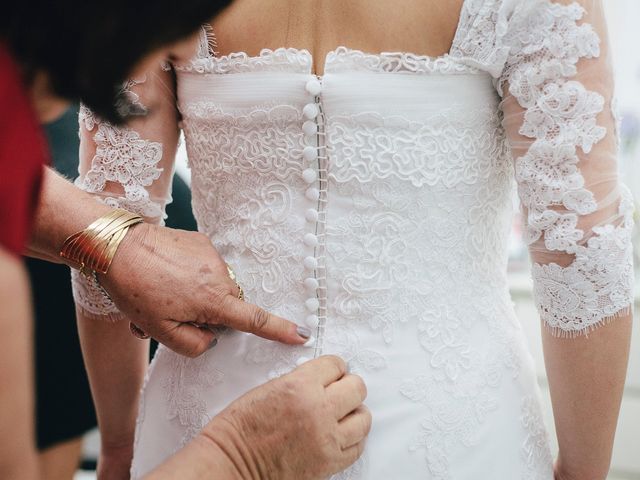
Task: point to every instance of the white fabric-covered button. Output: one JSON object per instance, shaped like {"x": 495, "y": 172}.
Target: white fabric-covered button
{"x": 310, "y": 263}
{"x": 313, "y": 87}
{"x": 310, "y": 111}
{"x": 311, "y": 284}
{"x": 310, "y": 343}
{"x": 302, "y": 360}
{"x": 310, "y": 127}
{"x": 312, "y": 321}
{"x": 311, "y": 215}
{"x": 310, "y": 153}
{"x": 310, "y": 240}
{"x": 309, "y": 175}
{"x": 312, "y": 304}
{"x": 312, "y": 194}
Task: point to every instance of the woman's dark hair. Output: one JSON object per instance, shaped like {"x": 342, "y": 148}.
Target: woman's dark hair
{"x": 89, "y": 48}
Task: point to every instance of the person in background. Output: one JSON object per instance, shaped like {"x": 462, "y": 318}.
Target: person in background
{"x": 64, "y": 407}
{"x": 42, "y": 68}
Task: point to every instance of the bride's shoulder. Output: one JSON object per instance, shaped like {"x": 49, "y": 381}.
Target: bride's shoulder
{"x": 489, "y": 30}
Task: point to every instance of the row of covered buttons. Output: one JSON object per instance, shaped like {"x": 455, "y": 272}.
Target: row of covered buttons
{"x": 310, "y": 155}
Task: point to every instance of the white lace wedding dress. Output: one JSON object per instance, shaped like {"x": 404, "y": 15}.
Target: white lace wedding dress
{"x": 373, "y": 204}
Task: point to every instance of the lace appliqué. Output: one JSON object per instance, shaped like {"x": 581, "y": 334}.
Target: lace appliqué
{"x": 423, "y": 153}
{"x": 126, "y": 159}
{"x": 184, "y": 387}
{"x": 458, "y": 395}
{"x": 478, "y": 41}
{"x": 596, "y": 287}
{"x": 380, "y": 164}
{"x": 249, "y": 175}
{"x": 561, "y": 117}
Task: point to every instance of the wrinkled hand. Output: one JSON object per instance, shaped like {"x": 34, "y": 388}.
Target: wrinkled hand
{"x": 166, "y": 281}
{"x": 306, "y": 425}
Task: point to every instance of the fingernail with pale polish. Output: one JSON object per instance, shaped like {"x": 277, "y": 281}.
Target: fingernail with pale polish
{"x": 213, "y": 343}
{"x": 304, "y": 332}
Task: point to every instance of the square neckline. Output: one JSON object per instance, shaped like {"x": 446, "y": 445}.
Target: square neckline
{"x": 302, "y": 58}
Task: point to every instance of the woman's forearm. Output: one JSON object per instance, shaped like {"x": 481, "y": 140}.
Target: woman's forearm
{"x": 63, "y": 210}
{"x": 586, "y": 381}
{"x": 116, "y": 362}
{"x": 18, "y": 454}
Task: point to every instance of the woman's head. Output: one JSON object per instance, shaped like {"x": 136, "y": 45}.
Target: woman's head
{"x": 87, "y": 49}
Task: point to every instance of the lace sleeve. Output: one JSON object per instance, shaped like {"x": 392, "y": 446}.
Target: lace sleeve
{"x": 129, "y": 167}
{"x": 557, "y": 88}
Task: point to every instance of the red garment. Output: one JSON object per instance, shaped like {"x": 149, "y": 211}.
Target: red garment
{"x": 23, "y": 152}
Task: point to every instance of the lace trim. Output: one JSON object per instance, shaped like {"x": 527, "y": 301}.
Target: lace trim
{"x": 561, "y": 116}
{"x": 279, "y": 60}
{"x": 345, "y": 59}
{"x": 91, "y": 298}
{"x": 341, "y": 59}
{"x": 597, "y": 287}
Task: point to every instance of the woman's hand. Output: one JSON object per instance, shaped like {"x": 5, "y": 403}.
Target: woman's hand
{"x": 166, "y": 280}
{"x": 306, "y": 425}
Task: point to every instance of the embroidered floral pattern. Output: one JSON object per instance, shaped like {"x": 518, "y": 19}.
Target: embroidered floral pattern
{"x": 422, "y": 153}
{"x": 184, "y": 387}
{"x": 248, "y": 175}
{"x": 561, "y": 117}
{"x": 122, "y": 157}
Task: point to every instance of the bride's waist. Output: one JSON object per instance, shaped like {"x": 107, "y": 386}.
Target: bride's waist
{"x": 362, "y": 284}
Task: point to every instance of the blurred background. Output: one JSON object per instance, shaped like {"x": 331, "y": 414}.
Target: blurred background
{"x": 66, "y": 423}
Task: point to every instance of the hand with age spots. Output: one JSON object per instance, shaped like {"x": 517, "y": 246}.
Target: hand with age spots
{"x": 173, "y": 284}
{"x": 306, "y": 425}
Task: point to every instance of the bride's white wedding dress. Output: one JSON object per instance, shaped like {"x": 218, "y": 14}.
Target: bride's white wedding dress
{"x": 374, "y": 205}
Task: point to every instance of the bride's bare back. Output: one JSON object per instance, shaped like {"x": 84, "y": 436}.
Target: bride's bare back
{"x": 416, "y": 26}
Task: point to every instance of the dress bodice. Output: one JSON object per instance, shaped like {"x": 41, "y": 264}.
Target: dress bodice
{"x": 388, "y": 173}
{"x": 372, "y": 204}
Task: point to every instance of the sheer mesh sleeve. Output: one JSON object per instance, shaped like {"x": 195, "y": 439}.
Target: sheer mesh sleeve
{"x": 129, "y": 167}
{"x": 557, "y": 89}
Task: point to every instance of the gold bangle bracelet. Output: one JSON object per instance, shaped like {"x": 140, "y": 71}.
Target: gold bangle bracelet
{"x": 95, "y": 247}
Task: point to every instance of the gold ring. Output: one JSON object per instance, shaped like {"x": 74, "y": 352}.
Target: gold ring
{"x": 232, "y": 276}
{"x": 137, "y": 331}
